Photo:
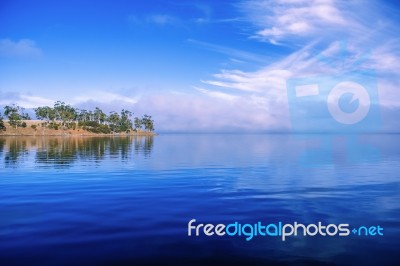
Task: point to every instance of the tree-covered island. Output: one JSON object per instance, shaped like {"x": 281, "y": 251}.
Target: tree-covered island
{"x": 66, "y": 118}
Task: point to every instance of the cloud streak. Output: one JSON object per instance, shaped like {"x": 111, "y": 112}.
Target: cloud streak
{"x": 277, "y": 20}
{"x": 24, "y": 48}
{"x": 232, "y": 52}
{"x": 103, "y": 97}
{"x": 156, "y": 19}
{"x": 350, "y": 47}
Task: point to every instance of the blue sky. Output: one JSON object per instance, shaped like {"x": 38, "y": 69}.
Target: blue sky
{"x": 193, "y": 65}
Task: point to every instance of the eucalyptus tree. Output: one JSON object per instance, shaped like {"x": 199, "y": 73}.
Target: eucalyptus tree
{"x": 2, "y": 126}
{"x": 83, "y": 116}
{"x": 16, "y": 115}
{"x": 91, "y": 115}
{"x": 125, "y": 122}
{"x": 45, "y": 113}
{"x": 65, "y": 113}
{"x": 113, "y": 121}
{"x": 99, "y": 116}
{"x": 41, "y": 113}
{"x": 148, "y": 123}
{"x": 137, "y": 123}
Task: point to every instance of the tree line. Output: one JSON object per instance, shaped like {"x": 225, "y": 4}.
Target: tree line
{"x": 15, "y": 115}
{"x": 65, "y": 116}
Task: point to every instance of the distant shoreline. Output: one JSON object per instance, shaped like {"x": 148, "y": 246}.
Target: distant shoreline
{"x": 40, "y": 131}
{"x": 81, "y": 135}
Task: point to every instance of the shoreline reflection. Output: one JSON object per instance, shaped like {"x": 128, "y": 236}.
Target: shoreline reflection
{"x": 63, "y": 152}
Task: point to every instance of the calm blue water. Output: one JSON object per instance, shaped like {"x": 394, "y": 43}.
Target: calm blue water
{"x": 128, "y": 201}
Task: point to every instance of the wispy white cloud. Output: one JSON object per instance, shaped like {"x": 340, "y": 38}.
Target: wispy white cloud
{"x": 157, "y": 19}
{"x": 259, "y": 81}
{"x": 297, "y": 22}
{"x": 162, "y": 19}
{"x": 218, "y": 94}
{"x": 103, "y": 97}
{"x": 326, "y": 38}
{"x": 28, "y": 101}
{"x": 25, "y": 101}
{"x": 266, "y": 88}
{"x": 278, "y": 19}
{"x": 234, "y": 60}
{"x": 21, "y": 48}
{"x": 232, "y": 52}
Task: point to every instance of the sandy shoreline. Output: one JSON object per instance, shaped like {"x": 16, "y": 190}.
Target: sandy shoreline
{"x": 78, "y": 135}
{"x": 40, "y": 131}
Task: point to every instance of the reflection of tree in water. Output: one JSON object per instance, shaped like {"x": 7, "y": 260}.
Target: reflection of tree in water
{"x": 63, "y": 152}
{"x": 67, "y": 150}
{"x": 144, "y": 144}
{"x": 92, "y": 148}
{"x": 57, "y": 151}
{"x": 120, "y": 147}
{"x": 2, "y": 144}
{"x": 17, "y": 150}
{"x": 148, "y": 145}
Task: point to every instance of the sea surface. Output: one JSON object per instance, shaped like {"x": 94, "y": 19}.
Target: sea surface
{"x": 128, "y": 200}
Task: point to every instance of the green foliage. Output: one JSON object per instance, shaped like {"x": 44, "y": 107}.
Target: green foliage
{"x": 90, "y": 124}
{"x": 104, "y": 129}
{"x": 53, "y": 125}
{"x": 67, "y": 117}
{"x": 14, "y": 119}
{"x": 45, "y": 113}
{"x": 16, "y": 115}
{"x": 148, "y": 123}
{"x": 113, "y": 120}
{"x": 95, "y": 127}
{"x": 72, "y": 126}
{"x": 65, "y": 112}
{"x": 137, "y": 122}
{"x": 125, "y": 122}
{"x": 25, "y": 117}
{"x": 2, "y": 126}
{"x": 33, "y": 127}
{"x": 99, "y": 116}
{"x": 120, "y": 122}
{"x": 83, "y": 116}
